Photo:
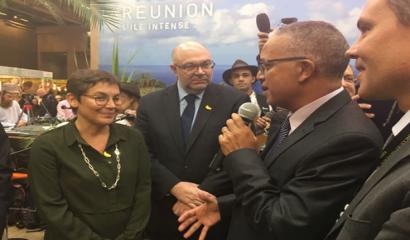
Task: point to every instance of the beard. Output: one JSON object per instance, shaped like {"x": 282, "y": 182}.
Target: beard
{"x": 5, "y": 104}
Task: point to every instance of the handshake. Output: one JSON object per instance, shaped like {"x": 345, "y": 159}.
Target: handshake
{"x": 195, "y": 209}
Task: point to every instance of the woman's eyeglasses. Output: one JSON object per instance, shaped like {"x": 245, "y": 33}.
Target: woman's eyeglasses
{"x": 102, "y": 99}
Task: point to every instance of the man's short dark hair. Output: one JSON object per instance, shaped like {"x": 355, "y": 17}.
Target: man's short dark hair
{"x": 319, "y": 41}
{"x": 80, "y": 81}
{"x": 401, "y": 9}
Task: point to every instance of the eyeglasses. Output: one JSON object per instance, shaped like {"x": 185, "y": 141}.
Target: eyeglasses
{"x": 190, "y": 67}
{"x": 102, "y": 100}
{"x": 348, "y": 78}
{"x": 266, "y": 65}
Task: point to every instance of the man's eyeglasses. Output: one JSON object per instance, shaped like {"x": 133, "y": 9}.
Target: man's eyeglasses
{"x": 190, "y": 67}
{"x": 266, "y": 65}
{"x": 102, "y": 100}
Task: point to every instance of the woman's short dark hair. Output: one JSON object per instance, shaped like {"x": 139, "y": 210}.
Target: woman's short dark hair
{"x": 80, "y": 81}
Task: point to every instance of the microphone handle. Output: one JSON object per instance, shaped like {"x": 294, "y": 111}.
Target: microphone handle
{"x": 216, "y": 161}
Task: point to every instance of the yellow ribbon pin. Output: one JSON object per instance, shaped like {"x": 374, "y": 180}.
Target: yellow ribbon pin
{"x": 106, "y": 154}
{"x": 207, "y": 107}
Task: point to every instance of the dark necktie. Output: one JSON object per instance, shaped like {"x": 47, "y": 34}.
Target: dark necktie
{"x": 188, "y": 116}
{"x": 282, "y": 134}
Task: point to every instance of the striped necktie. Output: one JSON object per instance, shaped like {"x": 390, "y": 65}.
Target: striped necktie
{"x": 282, "y": 134}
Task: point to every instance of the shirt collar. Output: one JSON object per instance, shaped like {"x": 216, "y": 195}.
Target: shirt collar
{"x": 253, "y": 98}
{"x": 401, "y": 124}
{"x": 72, "y": 135}
{"x": 298, "y": 117}
{"x": 182, "y": 93}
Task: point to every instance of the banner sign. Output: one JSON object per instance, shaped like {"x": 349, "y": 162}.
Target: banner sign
{"x": 150, "y": 29}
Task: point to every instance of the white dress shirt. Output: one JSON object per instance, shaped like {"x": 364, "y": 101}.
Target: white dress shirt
{"x": 401, "y": 124}
{"x": 298, "y": 117}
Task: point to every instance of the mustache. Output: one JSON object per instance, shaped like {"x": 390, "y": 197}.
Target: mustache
{"x": 201, "y": 76}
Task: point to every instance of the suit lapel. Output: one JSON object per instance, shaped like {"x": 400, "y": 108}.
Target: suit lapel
{"x": 378, "y": 175}
{"x": 292, "y": 139}
{"x": 206, "y": 108}
{"x": 170, "y": 102}
{"x": 269, "y": 144}
{"x": 320, "y": 115}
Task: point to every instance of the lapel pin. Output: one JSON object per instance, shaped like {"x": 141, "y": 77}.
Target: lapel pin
{"x": 207, "y": 107}
{"x": 106, "y": 154}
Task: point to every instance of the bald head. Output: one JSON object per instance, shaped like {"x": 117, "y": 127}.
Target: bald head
{"x": 190, "y": 46}
{"x": 193, "y": 66}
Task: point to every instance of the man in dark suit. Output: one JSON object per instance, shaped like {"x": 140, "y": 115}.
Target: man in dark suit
{"x": 181, "y": 152}
{"x": 381, "y": 209}
{"x": 5, "y": 174}
{"x": 318, "y": 158}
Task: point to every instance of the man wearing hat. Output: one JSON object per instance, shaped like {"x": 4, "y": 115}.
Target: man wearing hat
{"x": 10, "y": 112}
{"x": 242, "y": 76}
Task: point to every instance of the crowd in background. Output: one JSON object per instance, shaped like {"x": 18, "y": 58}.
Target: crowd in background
{"x": 334, "y": 163}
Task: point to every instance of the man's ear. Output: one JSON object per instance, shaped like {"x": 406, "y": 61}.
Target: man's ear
{"x": 173, "y": 68}
{"x": 72, "y": 100}
{"x": 306, "y": 69}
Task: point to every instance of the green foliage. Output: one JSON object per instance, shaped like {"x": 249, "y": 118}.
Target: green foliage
{"x": 146, "y": 81}
{"x": 92, "y": 13}
{"x": 115, "y": 68}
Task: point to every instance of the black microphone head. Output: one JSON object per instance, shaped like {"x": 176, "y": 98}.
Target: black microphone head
{"x": 249, "y": 111}
{"x": 66, "y": 107}
{"x": 270, "y": 114}
{"x": 289, "y": 20}
{"x": 263, "y": 23}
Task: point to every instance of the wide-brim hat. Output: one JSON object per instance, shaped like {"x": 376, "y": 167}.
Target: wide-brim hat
{"x": 237, "y": 65}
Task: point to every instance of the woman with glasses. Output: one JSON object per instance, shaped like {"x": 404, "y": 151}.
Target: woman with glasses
{"x": 90, "y": 178}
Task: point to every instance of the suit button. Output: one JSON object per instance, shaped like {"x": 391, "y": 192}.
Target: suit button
{"x": 186, "y": 166}
{"x": 218, "y": 169}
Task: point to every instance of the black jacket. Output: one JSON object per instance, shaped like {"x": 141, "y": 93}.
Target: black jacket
{"x": 158, "y": 119}
{"x": 298, "y": 191}
{"x": 5, "y": 174}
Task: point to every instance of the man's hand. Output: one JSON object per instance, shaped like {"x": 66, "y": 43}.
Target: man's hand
{"x": 236, "y": 135}
{"x": 205, "y": 215}
{"x": 21, "y": 123}
{"x": 262, "y": 122}
{"x": 263, "y": 38}
{"x": 179, "y": 208}
{"x": 186, "y": 192}
{"x": 130, "y": 112}
{"x": 364, "y": 106}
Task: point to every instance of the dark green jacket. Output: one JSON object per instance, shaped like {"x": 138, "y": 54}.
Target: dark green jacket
{"x": 70, "y": 197}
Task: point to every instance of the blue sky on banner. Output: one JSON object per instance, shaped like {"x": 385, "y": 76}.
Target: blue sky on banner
{"x": 154, "y": 27}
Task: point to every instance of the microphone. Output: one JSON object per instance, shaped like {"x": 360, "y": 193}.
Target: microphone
{"x": 289, "y": 20}
{"x": 65, "y": 107}
{"x": 248, "y": 112}
{"x": 263, "y": 23}
{"x": 127, "y": 116}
